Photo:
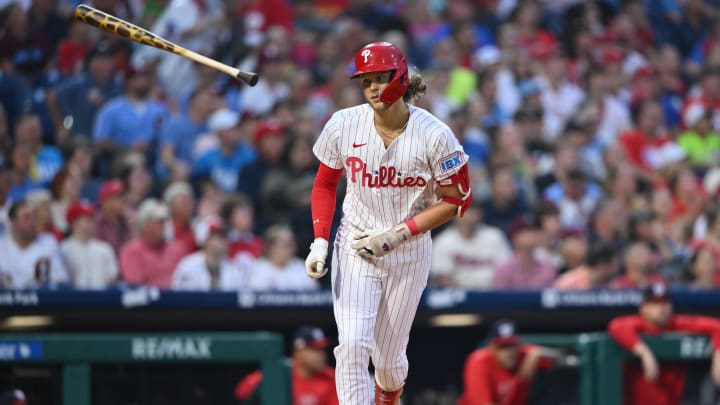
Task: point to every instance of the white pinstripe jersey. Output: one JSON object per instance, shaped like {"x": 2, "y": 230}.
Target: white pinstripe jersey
{"x": 388, "y": 186}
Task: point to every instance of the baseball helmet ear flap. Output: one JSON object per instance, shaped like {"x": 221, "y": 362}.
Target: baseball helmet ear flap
{"x": 398, "y": 84}
{"x": 383, "y": 57}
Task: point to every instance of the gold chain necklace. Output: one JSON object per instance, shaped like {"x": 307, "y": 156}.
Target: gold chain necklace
{"x": 388, "y": 134}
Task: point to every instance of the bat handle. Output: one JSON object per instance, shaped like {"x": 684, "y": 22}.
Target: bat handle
{"x": 249, "y": 78}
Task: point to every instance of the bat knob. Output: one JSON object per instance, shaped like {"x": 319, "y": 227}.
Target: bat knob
{"x": 251, "y": 78}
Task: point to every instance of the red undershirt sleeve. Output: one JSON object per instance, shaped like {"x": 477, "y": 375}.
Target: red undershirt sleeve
{"x": 324, "y": 194}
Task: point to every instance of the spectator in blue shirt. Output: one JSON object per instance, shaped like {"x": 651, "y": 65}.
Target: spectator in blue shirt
{"x": 75, "y": 102}
{"x": 45, "y": 160}
{"x": 178, "y": 136}
{"x": 224, "y": 162}
{"x": 20, "y": 181}
{"x": 133, "y": 121}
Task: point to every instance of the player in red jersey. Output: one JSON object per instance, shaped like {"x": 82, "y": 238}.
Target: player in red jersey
{"x": 502, "y": 372}
{"x": 313, "y": 381}
{"x": 649, "y": 382}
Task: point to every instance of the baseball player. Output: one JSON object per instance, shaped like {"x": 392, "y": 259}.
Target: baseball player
{"x": 396, "y": 157}
{"x": 650, "y": 382}
{"x": 502, "y": 373}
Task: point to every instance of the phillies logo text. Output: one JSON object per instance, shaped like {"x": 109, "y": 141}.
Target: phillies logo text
{"x": 384, "y": 176}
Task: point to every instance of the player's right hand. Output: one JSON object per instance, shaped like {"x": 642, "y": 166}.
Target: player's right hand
{"x": 650, "y": 366}
{"x": 315, "y": 261}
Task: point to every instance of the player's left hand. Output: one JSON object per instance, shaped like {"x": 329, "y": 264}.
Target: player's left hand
{"x": 380, "y": 243}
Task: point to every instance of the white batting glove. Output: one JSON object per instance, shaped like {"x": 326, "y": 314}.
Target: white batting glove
{"x": 315, "y": 261}
{"x": 380, "y": 243}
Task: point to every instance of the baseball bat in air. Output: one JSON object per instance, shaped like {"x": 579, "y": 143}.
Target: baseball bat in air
{"x": 117, "y": 26}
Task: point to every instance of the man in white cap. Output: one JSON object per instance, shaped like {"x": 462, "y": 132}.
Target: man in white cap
{"x": 222, "y": 163}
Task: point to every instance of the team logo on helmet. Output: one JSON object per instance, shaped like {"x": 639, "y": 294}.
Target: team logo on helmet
{"x": 365, "y": 54}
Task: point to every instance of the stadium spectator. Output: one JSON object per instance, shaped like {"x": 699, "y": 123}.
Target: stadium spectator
{"x": 224, "y": 162}
{"x": 148, "y": 259}
{"x": 466, "y": 252}
{"x": 606, "y": 224}
{"x": 279, "y": 269}
{"x": 132, "y": 121}
{"x": 210, "y": 269}
{"x": 575, "y": 196}
{"x": 573, "y": 250}
{"x": 644, "y": 144}
{"x": 20, "y": 181}
{"x": 72, "y": 51}
{"x": 523, "y": 270}
{"x": 505, "y": 202}
{"x": 599, "y": 268}
{"x": 503, "y": 371}
{"x": 180, "y": 133}
{"x": 285, "y": 190}
{"x": 560, "y": 97}
{"x": 137, "y": 181}
{"x": 40, "y": 202}
{"x": 92, "y": 263}
{"x": 111, "y": 224}
{"x": 312, "y": 380}
{"x": 639, "y": 271}
{"x": 66, "y": 188}
{"x": 702, "y": 272}
{"x": 29, "y": 49}
{"x": 31, "y": 259}
{"x": 269, "y": 140}
{"x": 667, "y": 255}
{"x": 270, "y": 88}
{"x": 75, "y": 102}
{"x": 45, "y": 160}
{"x": 649, "y": 381}
{"x": 700, "y": 141}
{"x": 238, "y": 212}
{"x": 180, "y": 200}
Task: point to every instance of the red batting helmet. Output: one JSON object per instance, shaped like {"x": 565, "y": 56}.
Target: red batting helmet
{"x": 381, "y": 57}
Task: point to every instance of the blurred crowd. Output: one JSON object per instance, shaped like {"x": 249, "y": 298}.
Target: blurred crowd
{"x": 591, "y": 126}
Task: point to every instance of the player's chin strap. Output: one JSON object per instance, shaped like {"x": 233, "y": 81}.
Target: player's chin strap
{"x": 462, "y": 179}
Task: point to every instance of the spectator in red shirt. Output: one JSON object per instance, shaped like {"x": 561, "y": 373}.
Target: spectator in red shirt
{"x": 649, "y": 382}
{"x": 501, "y": 374}
{"x": 313, "y": 381}
{"x": 643, "y": 144}
{"x": 639, "y": 271}
{"x": 148, "y": 259}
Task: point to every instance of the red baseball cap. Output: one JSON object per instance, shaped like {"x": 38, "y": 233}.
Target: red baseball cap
{"x": 111, "y": 188}
{"x": 79, "y": 209}
{"x": 266, "y": 129}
